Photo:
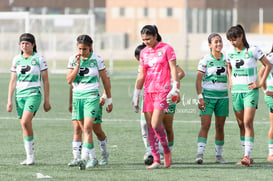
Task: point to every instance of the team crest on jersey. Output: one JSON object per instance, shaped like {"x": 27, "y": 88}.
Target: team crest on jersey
{"x": 159, "y": 53}
{"x": 246, "y": 55}
{"x": 92, "y": 64}
{"x": 33, "y": 62}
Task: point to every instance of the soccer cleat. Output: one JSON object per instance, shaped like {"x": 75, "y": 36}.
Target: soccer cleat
{"x": 270, "y": 158}
{"x": 104, "y": 160}
{"x": 220, "y": 159}
{"x": 92, "y": 163}
{"x": 155, "y": 165}
{"x": 199, "y": 159}
{"x": 74, "y": 163}
{"x": 149, "y": 160}
{"x": 168, "y": 159}
{"x": 245, "y": 161}
{"x": 28, "y": 162}
{"x": 251, "y": 162}
{"x": 82, "y": 164}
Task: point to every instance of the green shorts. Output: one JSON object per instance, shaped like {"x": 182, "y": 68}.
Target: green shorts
{"x": 220, "y": 107}
{"x": 248, "y": 99}
{"x": 269, "y": 102}
{"x": 98, "y": 119}
{"x": 31, "y": 104}
{"x": 85, "y": 108}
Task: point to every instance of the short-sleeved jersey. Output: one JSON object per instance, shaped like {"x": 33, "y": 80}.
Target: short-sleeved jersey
{"x": 244, "y": 67}
{"x": 269, "y": 80}
{"x": 28, "y": 72}
{"x": 155, "y": 64}
{"x": 214, "y": 83}
{"x": 88, "y": 77}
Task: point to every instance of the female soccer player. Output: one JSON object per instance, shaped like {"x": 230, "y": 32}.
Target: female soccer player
{"x": 268, "y": 97}
{"x": 77, "y": 135}
{"x": 84, "y": 72}
{"x": 242, "y": 72}
{"x": 26, "y": 72}
{"x": 167, "y": 121}
{"x": 212, "y": 90}
{"x": 156, "y": 67}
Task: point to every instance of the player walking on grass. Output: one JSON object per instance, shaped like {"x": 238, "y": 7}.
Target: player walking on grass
{"x": 156, "y": 67}
{"x": 212, "y": 90}
{"x": 167, "y": 121}
{"x": 77, "y": 135}
{"x": 268, "y": 97}
{"x": 26, "y": 72}
{"x": 84, "y": 72}
{"x": 242, "y": 72}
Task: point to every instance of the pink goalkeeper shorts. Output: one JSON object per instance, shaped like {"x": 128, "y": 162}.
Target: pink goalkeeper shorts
{"x": 153, "y": 101}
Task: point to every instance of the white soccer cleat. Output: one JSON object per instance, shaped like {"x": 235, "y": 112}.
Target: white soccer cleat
{"x": 28, "y": 162}
{"x": 199, "y": 159}
{"x": 220, "y": 159}
{"x": 155, "y": 165}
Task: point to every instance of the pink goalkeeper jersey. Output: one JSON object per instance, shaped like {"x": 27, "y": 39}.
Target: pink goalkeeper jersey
{"x": 155, "y": 63}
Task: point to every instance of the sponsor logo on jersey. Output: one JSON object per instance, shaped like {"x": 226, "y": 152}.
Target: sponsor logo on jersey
{"x": 159, "y": 53}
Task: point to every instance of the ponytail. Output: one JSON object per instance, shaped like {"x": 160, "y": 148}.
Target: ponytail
{"x": 235, "y": 32}
{"x": 151, "y": 30}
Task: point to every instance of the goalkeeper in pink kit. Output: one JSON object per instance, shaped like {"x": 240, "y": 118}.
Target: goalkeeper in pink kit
{"x": 157, "y": 66}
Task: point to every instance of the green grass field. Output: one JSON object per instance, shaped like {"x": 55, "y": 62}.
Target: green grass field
{"x": 53, "y": 135}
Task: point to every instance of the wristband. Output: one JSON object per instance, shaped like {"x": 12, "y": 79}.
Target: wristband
{"x": 200, "y": 96}
{"x": 265, "y": 91}
{"x": 137, "y": 92}
{"x": 104, "y": 96}
{"x": 108, "y": 101}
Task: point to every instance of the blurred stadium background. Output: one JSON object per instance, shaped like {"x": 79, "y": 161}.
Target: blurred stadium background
{"x": 115, "y": 24}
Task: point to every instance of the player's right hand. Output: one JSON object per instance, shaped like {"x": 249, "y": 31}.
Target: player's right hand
{"x": 135, "y": 102}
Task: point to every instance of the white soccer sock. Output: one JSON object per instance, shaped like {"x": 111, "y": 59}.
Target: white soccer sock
{"x": 218, "y": 150}
{"x": 85, "y": 153}
{"x": 201, "y": 148}
{"x": 248, "y": 148}
{"x": 76, "y": 149}
{"x": 243, "y": 145}
{"x": 144, "y": 132}
{"x": 29, "y": 148}
{"x": 92, "y": 154}
{"x": 103, "y": 147}
{"x": 270, "y": 148}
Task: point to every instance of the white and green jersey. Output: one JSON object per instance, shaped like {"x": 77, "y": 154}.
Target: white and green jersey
{"x": 88, "y": 77}
{"x": 214, "y": 83}
{"x": 269, "y": 80}
{"x": 244, "y": 67}
{"x": 28, "y": 72}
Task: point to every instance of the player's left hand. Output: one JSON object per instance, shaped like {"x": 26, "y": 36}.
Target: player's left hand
{"x": 109, "y": 105}
{"x": 47, "y": 106}
{"x": 254, "y": 85}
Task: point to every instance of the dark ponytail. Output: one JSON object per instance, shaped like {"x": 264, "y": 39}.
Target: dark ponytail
{"x": 235, "y": 32}
{"x": 151, "y": 30}
{"x": 30, "y": 38}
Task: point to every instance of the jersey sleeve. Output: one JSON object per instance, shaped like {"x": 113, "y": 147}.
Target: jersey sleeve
{"x": 258, "y": 53}
{"x": 13, "y": 65}
{"x": 170, "y": 53}
{"x": 270, "y": 58}
{"x": 70, "y": 64}
{"x": 101, "y": 64}
{"x": 202, "y": 65}
{"x": 43, "y": 64}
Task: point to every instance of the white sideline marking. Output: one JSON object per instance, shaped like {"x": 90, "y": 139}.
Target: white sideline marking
{"x": 133, "y": 120}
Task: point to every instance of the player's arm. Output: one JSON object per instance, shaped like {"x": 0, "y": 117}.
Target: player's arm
{"x": 198, "y": 86}
{"x": 70, "y": 98}
{"x": 138, "y": 86}
{"x": 174, "y": 96}
{"x": 12, "y": 86}
{"x": 267, "y": 65}
{"x": 72, "y": 73}
{"x": 229, "y": 71}
{"x": 47, "y": 105}
{"x": 107, "y": 89}
{"x": 180, "y": 72}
